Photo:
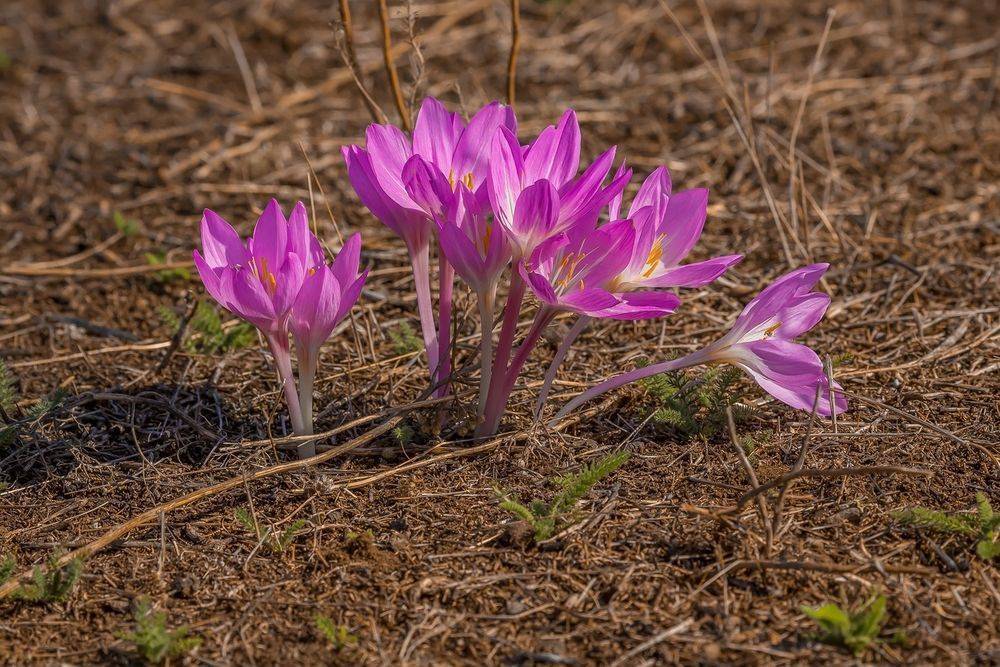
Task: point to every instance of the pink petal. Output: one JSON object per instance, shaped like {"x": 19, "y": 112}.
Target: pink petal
{"x": 695, "y": 274}
{"x": 555, "y": 154}
{"x": 345, "y": 265}
{"x": 654, "y": 191}
{"x": 505, "y": 180}
{"x": 221, "y": 243}
{"x": 683, "y": 221}
{"x": 472, "y": 153}
{"x": 270, "y": 236}
{"x": 436, "y": 133}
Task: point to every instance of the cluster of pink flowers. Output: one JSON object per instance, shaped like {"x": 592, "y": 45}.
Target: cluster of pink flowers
{"x": 499, "y": 207}
{"x": 493, "y": 208}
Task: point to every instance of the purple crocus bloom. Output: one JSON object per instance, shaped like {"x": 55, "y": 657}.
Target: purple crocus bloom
{"x": 761, "y": 343}
{"x": 278, "y": 280}
{"x": 474, "y": 244}
{"x": 552, "y": 158}
{"x": 667, "y": 226}
{"x": 409, "y": 185}
{"x": 572, "y": 274}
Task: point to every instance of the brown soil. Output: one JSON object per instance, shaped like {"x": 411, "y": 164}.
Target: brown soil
{"x": 140, "y": 108}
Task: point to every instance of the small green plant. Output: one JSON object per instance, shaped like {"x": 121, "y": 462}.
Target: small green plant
{"x": 547, "y": 518}
{"x": 853, "y": 630}
{"x": 153, "y": 641}
{"x": 169, "y": 274}
{"x": 338, "y": 635}
{"x": 209, "y": 335}
{"x": 696, "y": 405}
{"x": 5, "y": 61}
{"x": 127, "y": 226}
{"x": 404, "y": 340}
{"x": 7, "y": 567}
{"x": 983, "y": 525}
{"x": 276, "y": 542}
{"x": 403, "y": 434}
{"x": 53, "y": 584}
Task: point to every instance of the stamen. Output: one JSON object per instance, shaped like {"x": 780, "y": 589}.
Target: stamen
{"x": 655, "y": 254}
{"x": 467, "y": 179}
{"x": 768, "y": 332}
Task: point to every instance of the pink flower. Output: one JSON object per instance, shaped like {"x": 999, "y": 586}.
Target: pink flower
{"x": 761, "y": 343}
{"x": 278, "y": 280}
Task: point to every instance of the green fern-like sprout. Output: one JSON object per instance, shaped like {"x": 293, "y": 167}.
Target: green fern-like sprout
{"x": 547, "y": 518}
{"x": 284, "y": 540}
{"x": 853, "y": 630}
{"x": 695, "y": 405}
{"x": 339, "y": 636}
{"x": 8, "y": 393}
{"x": 153, "y": 641}
{"x": 404, "y": 339}
{"x": 52, "y": 584}
{"x": 984, "y": 525}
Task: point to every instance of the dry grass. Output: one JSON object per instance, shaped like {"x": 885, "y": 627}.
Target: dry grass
{"x": 880, "y": 156}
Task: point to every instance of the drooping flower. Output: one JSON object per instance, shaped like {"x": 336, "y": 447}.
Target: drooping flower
{"x": 761, "y": 343}
{"x": 278, "y": 280}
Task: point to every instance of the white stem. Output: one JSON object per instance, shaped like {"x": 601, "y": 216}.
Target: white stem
{"x": 487, "y": 302}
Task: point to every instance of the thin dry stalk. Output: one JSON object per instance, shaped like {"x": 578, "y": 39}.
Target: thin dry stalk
{"x": 515, "y": 46}
{"x": 390, "y": 66}
{"x": 349, "y": 55}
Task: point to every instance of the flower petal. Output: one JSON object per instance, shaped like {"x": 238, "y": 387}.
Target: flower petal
{"x": 505, "y": 179}
{"x": 683, "y": 221}
{"x": 695, "y": 274}
{"x": 270, "y": 236}
{"x": 220, "y": 242}
{"x": 555, "y": 154}
{"x": 436, "y": 133}
{"x": 473, "y": 150}
{"x": 654, "y": 191}
{"x": 345, "y": 265}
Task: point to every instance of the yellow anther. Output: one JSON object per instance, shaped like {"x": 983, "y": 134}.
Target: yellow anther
{"x": 768, "y": 332}
{"x": 451, "y": 178}
{"x": 467, "y": 179}
{"x": 655, "y": 254}
{"x": 486, "y": 238}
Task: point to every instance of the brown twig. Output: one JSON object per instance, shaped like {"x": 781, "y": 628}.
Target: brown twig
{"x": 515, "y": 46}
{"x": 350, "y": 57}
{"x": 175, "y": 340}
{"x": 762, "y": 508}
{"x": 390, "y": 66}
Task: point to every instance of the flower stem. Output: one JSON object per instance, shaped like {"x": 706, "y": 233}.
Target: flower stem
{"x": 487, "y": 301}
{"x": 420, "y": 261}
{"x": 446, "y": 283}
{"x": 307, "y": 378}
{"x": 282, "y": 353}
{"x": 693, "y": 359}
{"x": 498, "y": 402}
{"x": 498, "y": 374}
{"x": 550, "y": 375}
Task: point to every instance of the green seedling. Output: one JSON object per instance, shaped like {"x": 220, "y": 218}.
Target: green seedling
{"x": 153, "y": 641}
{"x": 276, "y": 542}
{"x": 338, "y": 635}
{"x": 404, "y": 339}
{"x": 695, "y": 405}
{"x": 853, "y": 630}
{"x": 983, "y": 525}
{"x": 52, "y": 584}
{"x": 166, "y": 275}
{"x": 126, "y": 226}
{"x": 547, "y": 518}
